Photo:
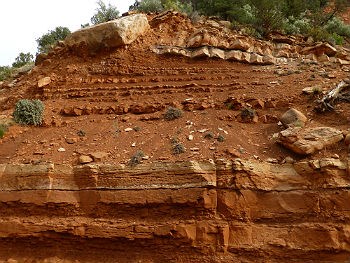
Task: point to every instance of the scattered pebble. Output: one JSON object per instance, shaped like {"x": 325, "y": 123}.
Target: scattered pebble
{"x": 133, "y": 145}
{"x": 271, "y": 160}
{"x": 128, "y": 129}
{"x": 83, "y": 159}
{"x": 61, "y": 149}
{"x": 71, "y": 140}
{"x": 190, "y": 137}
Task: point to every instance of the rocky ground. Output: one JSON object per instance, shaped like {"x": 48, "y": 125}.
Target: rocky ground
{"x": 105, "y": 104}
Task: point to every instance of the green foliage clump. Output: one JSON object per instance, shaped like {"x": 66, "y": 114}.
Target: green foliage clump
{"x": 178, "y": 148}
{"x": 176, "y": 5}
{"x": 47, "y": 41}
{"x": 136, "y": 158}
{"x": 104, "y": 13}
{"x": 337, "y": 26}
{"x": 23, "y": 59}
{"x": 3, "y": 130}
{"x": 5, "y": 72}
{"x": 81, "y": 133}
{"x": 209, "y": 135}
{"x": 29, "y": 112}
{"x": 149, "y": 6}
{"x": 220, "y": 138}
{"x": 172, "y": 114}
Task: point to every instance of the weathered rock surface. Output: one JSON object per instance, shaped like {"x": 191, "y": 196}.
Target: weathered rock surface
{"x": 214, "y": 39}
{"x": 44, "y": 82}
{"x": 293, "y": 117}
{"x": 112, "y": 34}
{"x": 308, "y": 141}
{"x": 210, "y": 210}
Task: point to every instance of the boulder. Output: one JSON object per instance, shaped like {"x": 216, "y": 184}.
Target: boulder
{"x": 320, "y": 49}
{"x": 83, "y": 159}
{"x": 44, "y": 82}
{"x": 308, "y": 141}
{"x": 112, "y": 34}
{"x": 99, "y": 156}
{"x": 293, "y": 117}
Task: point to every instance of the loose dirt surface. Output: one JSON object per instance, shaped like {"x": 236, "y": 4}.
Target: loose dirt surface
{"x": 132, "y": 87}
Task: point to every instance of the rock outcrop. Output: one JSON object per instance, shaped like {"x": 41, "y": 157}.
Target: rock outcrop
{"x": 187, "y": 211}
{"x": 308, "y": 141}
{"x": 215, "y": 39}
{"x": 111, "y": 34}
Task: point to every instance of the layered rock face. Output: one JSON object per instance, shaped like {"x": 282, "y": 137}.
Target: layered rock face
{"x": 223, "y": 211}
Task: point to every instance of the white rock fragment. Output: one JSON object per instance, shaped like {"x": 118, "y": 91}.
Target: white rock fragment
{"x": 202, "y": 130}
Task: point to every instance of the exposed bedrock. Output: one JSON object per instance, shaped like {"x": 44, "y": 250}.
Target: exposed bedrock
{"x": 213, "y": 212}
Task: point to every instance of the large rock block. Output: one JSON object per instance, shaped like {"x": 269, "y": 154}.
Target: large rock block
{"x": 111, "y": 34}
{"x": 293, "y": 118}
{"x": 309, "y": 140}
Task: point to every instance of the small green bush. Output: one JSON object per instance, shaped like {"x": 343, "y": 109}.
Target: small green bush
{"x": 220, "y": 138}
{"x": 209, "y": 135}
{"x": 29, "y": 112}
{"x": 149, "y": 6}
{"x": 136, "y": 158}
{"x": 178, "y": 148}
{"x": 3, "y": 130}
{"x": 5, "y": 72}
{"x": 81, "y": 133}
{"x": 172, "y": 114}
{"x": 338, "y": 27}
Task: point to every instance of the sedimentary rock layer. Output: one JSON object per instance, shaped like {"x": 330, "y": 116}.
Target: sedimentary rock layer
{"x": 211, "y": 211}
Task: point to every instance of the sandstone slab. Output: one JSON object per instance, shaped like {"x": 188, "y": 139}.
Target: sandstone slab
{"x": 308, "y": 141}
{"x": 112, "y": 34}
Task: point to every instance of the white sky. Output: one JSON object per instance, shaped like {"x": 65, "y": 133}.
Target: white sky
{"x": 23, "y": 21}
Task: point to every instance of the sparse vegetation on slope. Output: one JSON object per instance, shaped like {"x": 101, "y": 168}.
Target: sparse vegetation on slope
{"x": 29, "y": 112}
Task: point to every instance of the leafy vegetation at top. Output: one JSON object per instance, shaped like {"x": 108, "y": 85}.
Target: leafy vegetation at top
{"x": 47, "y": 41}
{"x": 315, "y": 18}
{"x": 23, "y": 59}
{"x": 104, "y": 13}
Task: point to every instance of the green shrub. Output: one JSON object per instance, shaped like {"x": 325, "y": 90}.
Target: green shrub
{"x": 150, "y": 6}
{"x": 29, "y": 112}
{"x": 338, "y": 27}
{"x": 300, "y": 25}
{"x": 178, "y": 148}
{"x": 177, "y": 5}
{"x": 136, "y": 158}
{"x": 81, "y": 133}
{"x": 5, "y": 72}
{"x": 3, "y": 130}
{"x": 172, "y": 114}
{"x": 104, "y": 13}
{"x": 23, "y": 59}
{"x": 209, "y": 135}
{"x": 47, "y": 41}
{"x": 220, "y": 138}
